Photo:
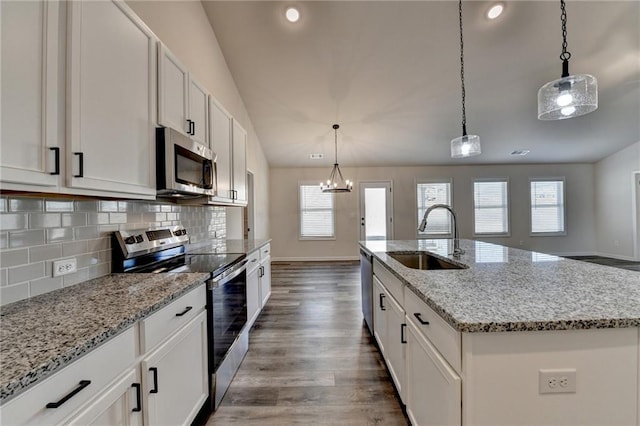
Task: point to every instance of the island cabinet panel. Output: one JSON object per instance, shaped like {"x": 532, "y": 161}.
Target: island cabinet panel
{"x": 390, "y": 281}
{"x": 433, "y": 388}
{"x": 501, "y": 385}
{"x": 111, "y": 102}
{"x": 379, "y": 315}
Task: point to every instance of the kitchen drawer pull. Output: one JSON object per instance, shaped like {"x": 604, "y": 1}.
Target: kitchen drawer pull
{"x": 419, "y": 317}
{"x": 80, "y": 164}
{"x": 56, "y": 151}
{"x": 382, "y": 308}
{"x": 154, "y": 370}
{"x": 402, "y": 328}
{"x": 187, "y": 309}
{"x": 254, "y": 260}
{"x": 138, "y": 398}
{"x": 83, "y": 384}
{"x": 189, "y": 124}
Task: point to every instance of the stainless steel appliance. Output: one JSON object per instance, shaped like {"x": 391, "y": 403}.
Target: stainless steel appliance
{"x": 163, "y": 250}
{"x": 366, "y": 281}
{"x": 183, "y": 167}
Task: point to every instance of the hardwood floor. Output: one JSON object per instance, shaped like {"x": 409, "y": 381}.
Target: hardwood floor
{"x": 310, "y": 359}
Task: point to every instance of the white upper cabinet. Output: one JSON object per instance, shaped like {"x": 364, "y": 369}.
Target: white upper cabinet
{"x": 32, "y": 92}
{"x": 183, "y": 103}
{"x": 239, "y": 164}
{"x": 111, "y": 99}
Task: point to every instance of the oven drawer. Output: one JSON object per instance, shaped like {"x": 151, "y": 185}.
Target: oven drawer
{"x": 155, "y": 328}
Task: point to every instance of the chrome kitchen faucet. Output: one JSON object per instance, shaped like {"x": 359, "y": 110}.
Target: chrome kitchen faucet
{"x": 457, "y": 251}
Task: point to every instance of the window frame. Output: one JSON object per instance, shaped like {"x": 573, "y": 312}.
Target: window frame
{"x": 564, "y": 206}
{"x": 431, "y": 236}
{"x": 508, "y": 204}
{"x": 333, "y": 208}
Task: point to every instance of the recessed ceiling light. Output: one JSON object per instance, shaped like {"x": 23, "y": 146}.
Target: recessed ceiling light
{"x": 521, "y": 152}
{"x": 292, "y": 14}
{"x": 495, "y": 11}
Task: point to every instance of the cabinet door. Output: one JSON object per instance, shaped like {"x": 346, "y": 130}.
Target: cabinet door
{"x": 111, "y": 102}
{"x": 173, "y": 86}
{"x": 433, "y": 389}
{"x": 379, "y": 314}
{"x": 239, "y": 163}
{"x": 253, "y": 296}
{"x": 118, "y": 405}
{"x": 175, "y": 377}
{"x": 265, "y": 281}
{"x": 198, "y": 112}
{"x": 221, "y": 146}
{"x": 395, "y": 343}
{"x": 32, "y": 92}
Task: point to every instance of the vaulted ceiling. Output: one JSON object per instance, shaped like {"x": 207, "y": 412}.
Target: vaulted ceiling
{"x": 388, "y": 72}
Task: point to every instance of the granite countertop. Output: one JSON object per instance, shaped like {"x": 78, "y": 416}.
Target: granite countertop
{"x": 228, "y": 246}
{"x": 507, "y": 289}
{"x": 40, "y": 335}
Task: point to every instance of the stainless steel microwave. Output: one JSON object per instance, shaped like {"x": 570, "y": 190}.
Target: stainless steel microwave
{"x": 183, "y": 167}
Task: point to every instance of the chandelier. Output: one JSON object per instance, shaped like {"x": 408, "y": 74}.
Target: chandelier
{"x": 571, "y": 95}
{"x": 465, "y": 145}
{"x": 336, "y": 183}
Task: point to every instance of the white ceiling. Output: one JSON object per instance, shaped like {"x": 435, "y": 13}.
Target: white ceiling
{"x": 388, "y": 72}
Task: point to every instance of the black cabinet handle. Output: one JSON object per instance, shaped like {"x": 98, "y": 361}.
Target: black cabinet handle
{"x": 80, "y": 164}
{"x": 189, "y": 123}
{"x": 382, "y": 308}
{"x": 56, "y": 152}
{"x": 187, "y": 309}
{"x": 402, "y": 338}
{"x": 138, "y": 398}
{"x": 83, "y": 384}
{"x": 154, "y": 370}
{"x": 423, "y": 322}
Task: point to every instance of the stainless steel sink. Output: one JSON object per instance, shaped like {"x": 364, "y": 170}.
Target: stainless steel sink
{"x": 422, "y": 260}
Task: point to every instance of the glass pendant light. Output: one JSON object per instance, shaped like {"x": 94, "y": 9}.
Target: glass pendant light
{"x": 465, "y": 145}
{"x": 571, "y": 95}
{"x": 336, "y": 183}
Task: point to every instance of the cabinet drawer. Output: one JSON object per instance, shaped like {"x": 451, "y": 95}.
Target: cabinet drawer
{"x": 100, "y": 366}
{"x": 253, "y": 261}
{"x": 445, "y": 339}
{"x": 390, "y": 281}
{"x": 163, "y": 323}
{"x": 265, "y": 251}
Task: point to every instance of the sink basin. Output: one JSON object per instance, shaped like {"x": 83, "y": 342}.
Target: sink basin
{"x": 422, "y": 260}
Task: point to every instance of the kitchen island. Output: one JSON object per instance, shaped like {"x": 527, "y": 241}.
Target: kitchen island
{"x": 516, "y": 337}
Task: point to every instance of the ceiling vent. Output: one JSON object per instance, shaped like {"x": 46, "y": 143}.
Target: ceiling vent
{"x": 520, "y": 152}
{"x": 316, "y": 156}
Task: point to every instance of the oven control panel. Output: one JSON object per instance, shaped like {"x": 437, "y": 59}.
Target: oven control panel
{"x": 138, "y": 241}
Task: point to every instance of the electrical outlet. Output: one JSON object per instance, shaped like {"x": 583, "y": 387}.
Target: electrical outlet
{"x": 64, "y": 267}
{"x": 557, "y": 381}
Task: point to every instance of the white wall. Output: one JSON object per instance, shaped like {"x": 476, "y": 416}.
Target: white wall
{"x": 580, "y": 238}
{"x": 615, "y": 203}
{"x": 184, "y": 28}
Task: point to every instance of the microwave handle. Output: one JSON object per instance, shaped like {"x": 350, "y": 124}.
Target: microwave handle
{"x": 207, "y": 174}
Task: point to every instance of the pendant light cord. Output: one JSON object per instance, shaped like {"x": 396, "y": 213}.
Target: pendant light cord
{"x": 335, "y": 129}
{"x": 464, "y": 112}
{"x": 565, "y": 55}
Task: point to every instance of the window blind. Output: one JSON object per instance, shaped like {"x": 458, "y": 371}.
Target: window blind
{"x": 491, "y": 207}
{"x": 547, "y": 206}
{"x": 431, "y": 193}
{"x": 316, "y": 213}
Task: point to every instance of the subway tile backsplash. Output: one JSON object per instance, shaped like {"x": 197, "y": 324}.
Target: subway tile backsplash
{"x": 35, "y": 232}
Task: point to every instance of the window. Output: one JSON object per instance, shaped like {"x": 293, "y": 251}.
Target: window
{"x": 316, "y": 213}
{"x": 547, "y": 206}
{"x": 430, "y": 193}
{"x": 491, "y": 207}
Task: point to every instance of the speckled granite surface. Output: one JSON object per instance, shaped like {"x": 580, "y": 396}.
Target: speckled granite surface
{"x": 227, "y": 246}
{"x": 507, "y": 289}
{"x": 38, "y": 336}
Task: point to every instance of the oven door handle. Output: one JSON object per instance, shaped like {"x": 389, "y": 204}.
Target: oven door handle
{"x": 225, "y": 277}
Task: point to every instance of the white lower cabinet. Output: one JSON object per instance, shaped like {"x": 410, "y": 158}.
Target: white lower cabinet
{"x": 175, "y": 377}
{"x": 379, "y": 315}
{"x": 265, "y": 281}
{"x": 253, "y": 288}
{"x": 119, "y": 405}
{"x": 433, "y": 389}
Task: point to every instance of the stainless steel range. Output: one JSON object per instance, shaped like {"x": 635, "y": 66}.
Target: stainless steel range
{"x": 164, "y": 250}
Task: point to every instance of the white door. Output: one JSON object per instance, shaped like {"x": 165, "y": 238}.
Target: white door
{"x": 265, "y": 281}
{"x": 198, "y": 111}
{"x": 30, "y": 128}
{"x": 379, "y": 315}
{"x": 396, "y": 343}
{"x": 111, "y": 103}
{"x": 253, "y": 295}
{"x": 220, "y": 121}
{"x": 173, "y": 86}
{"x": 376, "y": 211}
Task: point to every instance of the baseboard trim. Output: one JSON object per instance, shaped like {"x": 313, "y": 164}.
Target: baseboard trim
{"x": 617, "y": 256}
{"x": 314, "y": 259}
